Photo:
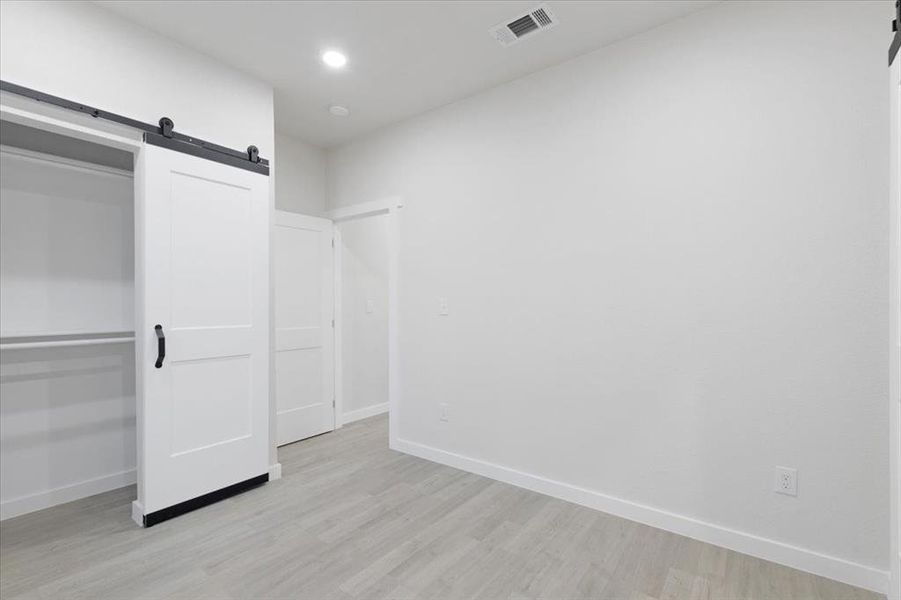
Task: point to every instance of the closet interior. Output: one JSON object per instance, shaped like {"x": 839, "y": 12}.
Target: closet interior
{"x": 67, "y": 356}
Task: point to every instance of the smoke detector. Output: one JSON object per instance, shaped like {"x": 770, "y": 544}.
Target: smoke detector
{"x": 522, "y": 26}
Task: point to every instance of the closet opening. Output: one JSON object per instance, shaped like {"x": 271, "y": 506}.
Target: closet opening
{"x": 67, "y": 355}
{"x": 110, "y": 236}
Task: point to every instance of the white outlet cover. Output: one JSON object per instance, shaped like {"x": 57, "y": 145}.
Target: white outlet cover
{"x": 370, "y": 305}
{"x": 785, "y": 481}
{"x": 443, "y": 409}
{"x": 443, "y": 309}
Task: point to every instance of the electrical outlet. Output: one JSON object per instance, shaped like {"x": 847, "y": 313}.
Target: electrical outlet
{"x": 786, "y": 481}
{"x": 443, "y": 411}
{"x": 443, "y": 309}
{"x": 370, "y": 305}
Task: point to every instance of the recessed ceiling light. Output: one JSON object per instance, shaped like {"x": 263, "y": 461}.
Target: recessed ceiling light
{"x": 339, "y": 111}
{"x": 334, "y": 59}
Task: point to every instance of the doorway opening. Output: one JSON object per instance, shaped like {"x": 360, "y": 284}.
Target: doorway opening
{"x": 363, "y": 281}
{"x": 366, "y": 237}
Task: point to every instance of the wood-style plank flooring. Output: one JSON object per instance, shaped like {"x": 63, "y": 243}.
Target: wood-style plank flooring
{"x": 351, "y": 519}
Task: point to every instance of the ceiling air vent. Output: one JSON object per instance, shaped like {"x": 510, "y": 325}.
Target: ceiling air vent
{"x": 510, "y": 32}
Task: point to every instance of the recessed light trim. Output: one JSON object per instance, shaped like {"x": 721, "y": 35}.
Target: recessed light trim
{"x": 339, "y": 111}
{"x": 334, "y": 59}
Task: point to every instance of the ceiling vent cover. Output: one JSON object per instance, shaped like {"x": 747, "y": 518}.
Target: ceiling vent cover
{"x": 510, "y": 32}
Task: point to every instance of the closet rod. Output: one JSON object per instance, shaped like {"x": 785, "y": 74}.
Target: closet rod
{"x": 63, "y": 339}
{"x": 65, "y": 343}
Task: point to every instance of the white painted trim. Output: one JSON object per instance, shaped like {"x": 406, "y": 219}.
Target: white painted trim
{"x": 779, "y": 552}
{"x": 337, "y": 259}
{"x": 67, "y": 493}
{"x": 365, "y": 413}
{"x": 275, "y": 471}
{"x": 69, "y": 163}
{"x": 394, "y": 370}
{"x": 30, "y": 113}
{"x": 895, "y": 331}
{"x": 273, "y": 401}
{"x": 137, "y": 513}
{"x": 365, "y": 209}
{"x": 286, "y": 218}
{"x": 390, "y": 206}
{"x": 141, "y": 356}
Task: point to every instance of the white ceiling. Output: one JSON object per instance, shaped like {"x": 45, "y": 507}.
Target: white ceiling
{"x": 404, "y": 58}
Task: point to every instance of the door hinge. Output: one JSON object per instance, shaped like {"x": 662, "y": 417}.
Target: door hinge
{"x": 333, "y": 242}
{"x": 333, "y": 403}
{"x": 333, "y": 323}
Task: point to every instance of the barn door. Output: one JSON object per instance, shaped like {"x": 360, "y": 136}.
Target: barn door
{"x": 202, "y": 330}
{"x": 304, "y": 326}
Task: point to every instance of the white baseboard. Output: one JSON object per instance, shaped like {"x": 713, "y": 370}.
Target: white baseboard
{"x": 26, "y": 504}
{"x": 364, "y": 413}
{"x": 779, "y": 552}
{"x": 895, "y": 585}
{"x": 275, "y": 471}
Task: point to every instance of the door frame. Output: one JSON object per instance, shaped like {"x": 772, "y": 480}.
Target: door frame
{"x": 390, "y": 206}
{"x": 895, "y": 330}
{"x": 31, "y": 113}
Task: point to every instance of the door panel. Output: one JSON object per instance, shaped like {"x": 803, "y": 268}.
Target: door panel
{"x": 211, "y": 403}
{"x": 304, "y": 336}
{"x": 202, "y": 273}
{"x": 212, "y": 277}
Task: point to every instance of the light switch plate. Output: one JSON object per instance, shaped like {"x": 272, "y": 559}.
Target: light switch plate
{"x": 443, "y": 308}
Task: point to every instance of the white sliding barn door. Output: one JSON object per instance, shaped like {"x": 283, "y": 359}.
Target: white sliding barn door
{"x": 304, "y": 333}
{"x": 202, "y": 275}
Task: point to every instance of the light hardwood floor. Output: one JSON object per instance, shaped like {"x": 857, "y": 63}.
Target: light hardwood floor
{"x": 353, "y": 520}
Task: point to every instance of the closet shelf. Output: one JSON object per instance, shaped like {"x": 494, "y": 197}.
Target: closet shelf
{"x": 62, "y": 340}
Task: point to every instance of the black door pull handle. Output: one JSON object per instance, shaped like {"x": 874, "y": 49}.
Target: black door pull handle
{"x": 160, "y": 346}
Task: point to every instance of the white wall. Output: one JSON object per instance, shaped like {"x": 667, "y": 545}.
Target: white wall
{"x": 299, "y": 176}
{"x": 364, "y": 307}
{"x": 82, "y": 52}
{"x": 666, "y": 266}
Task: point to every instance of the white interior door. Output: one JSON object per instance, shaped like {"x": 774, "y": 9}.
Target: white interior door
{"x": 304, "y": 326}
{"x": 202, "y": 274}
